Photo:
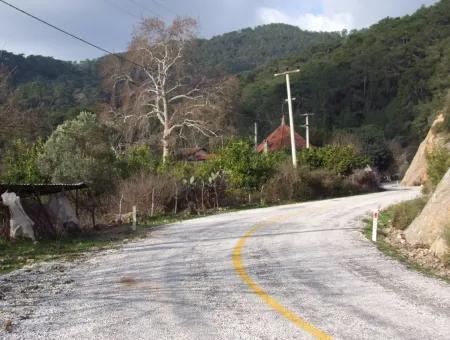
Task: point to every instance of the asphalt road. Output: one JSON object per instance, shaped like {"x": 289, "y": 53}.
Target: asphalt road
{"x": 299, "y": 271}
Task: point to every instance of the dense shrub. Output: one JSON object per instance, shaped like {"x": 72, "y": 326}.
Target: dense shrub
{"x": 20, "y": 163}
{"x": 302, "y": 184}
{"x": 438, "y": 164}
{"x": 404, "y": 213}
{"x": 342, "y": 159}
{"x": 137, "y": 159}
{"x": 244, "y": 167}
{"x": 366, "y": 181}
{"x": 80, "y": 151}
{"x": 139, "y": 189}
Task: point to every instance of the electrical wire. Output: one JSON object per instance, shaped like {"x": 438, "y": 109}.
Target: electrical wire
{"x": 121, "y": 9}
{"x": 143, "y": 7}
{"x": 160, "y": 4}
{"x": 71, "y": 35}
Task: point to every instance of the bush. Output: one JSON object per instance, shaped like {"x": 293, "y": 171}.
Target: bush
{"x": 138, "y": 190}
{"x": 366, "y": 181}
{"x": 404, "y": 213}
{"x": 137, "y": 159}
{"x": 244, "y": 167}
{"x": 437, "y": 166}
{"x": 80, "y": 150}
{"x": 21, "y": 163}
{"x": 302, "y": 184}
{"x": 342, "y": 159}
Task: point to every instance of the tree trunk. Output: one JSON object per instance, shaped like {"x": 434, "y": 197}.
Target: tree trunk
{"x": 165, "y": 144}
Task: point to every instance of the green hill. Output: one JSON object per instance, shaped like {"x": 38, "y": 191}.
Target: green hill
{"x": 393, "y": 75}
{"x": 250, "y": 48}
{"x": 51, "y": 89}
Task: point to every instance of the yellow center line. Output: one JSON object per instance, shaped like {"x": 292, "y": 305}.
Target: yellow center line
{"x": 258, "y": 290}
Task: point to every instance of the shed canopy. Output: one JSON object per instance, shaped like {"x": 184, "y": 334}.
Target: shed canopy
{"x": 39, "y": 189}
{"x": 280, "y": 139}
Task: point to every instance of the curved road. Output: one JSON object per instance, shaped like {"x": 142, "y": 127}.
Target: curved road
{"x": 299, "y": 271}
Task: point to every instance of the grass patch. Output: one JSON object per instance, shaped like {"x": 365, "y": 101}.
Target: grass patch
{"x": 404, "y": 213}
{"x": 384, "y": 222}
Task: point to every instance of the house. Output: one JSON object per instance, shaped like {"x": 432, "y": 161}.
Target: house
{"x": 280, "y": 139}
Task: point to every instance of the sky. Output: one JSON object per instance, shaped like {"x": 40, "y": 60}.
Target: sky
{"x": 110, "y": 23}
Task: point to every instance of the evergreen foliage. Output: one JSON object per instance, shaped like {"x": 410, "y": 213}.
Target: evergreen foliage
{"x": 341, "y": 159}
{"x": 80, "y": 151}
{"x": 393, "y": 75}
{"x": 249, "y": 48}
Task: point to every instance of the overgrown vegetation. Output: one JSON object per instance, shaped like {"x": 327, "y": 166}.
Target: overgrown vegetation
{"x": 20, "y": 162}
{"x": 342, "y": 160}
{"x": 438, "y": 162}
{"x": 404, "y": 213}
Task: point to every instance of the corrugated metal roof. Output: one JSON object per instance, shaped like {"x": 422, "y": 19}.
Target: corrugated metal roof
{"x": 39, "y": 189}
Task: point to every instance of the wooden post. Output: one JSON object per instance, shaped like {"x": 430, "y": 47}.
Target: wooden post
{"x": 176, "y": 198}
{"x": 133, "y": 227}
{"x": 76, "y": 204}
{"x": 153, "y": 203}
{"x": 120, "y": 208}
{"x": 203, "y": 194}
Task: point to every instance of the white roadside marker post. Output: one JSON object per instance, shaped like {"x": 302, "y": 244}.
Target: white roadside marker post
{"x": 133, "y": 227}
{"x": 375, "y": 225}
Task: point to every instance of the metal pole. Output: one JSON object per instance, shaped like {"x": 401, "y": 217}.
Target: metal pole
{"x": 306, "y": 126}
{"x": 307, "y": 131}
{"x": 291, "y": 121}
{"x": 256, "y": 135}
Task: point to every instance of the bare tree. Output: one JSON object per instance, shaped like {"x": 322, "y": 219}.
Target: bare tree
{"x": 158, "y": 91}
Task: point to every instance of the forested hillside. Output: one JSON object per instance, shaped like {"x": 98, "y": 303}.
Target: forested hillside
{"x": 250, "y": 48}
{"x": 388, "y": 79}
{"x": 44, "y": 92}
{"x": 393, "y": 76}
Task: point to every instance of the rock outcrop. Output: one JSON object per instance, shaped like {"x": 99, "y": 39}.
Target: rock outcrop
{"x": 417, "y": 171}
{"x": 429, "y": 227}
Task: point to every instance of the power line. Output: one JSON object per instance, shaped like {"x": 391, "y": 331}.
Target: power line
{"x": 121, "y": 9}
{"x": 160, "y": 4}
{"x": 70, "y": 34}
{"x": 143, "y": 7}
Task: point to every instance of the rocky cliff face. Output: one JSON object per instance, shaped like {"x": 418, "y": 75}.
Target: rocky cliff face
{"x": 429, "y": 227}
{"x": 417, "y": 171}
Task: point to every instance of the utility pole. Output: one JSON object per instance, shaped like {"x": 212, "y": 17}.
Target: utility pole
{"x": 256, "y": 135}
{"x": 307, "y": 127}
{"x": 291, "y": 116}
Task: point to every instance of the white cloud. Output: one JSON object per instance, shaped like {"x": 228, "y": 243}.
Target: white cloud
{"x": 308, "y": 21}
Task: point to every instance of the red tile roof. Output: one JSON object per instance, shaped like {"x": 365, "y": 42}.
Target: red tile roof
{"x": 280, "y": 138}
